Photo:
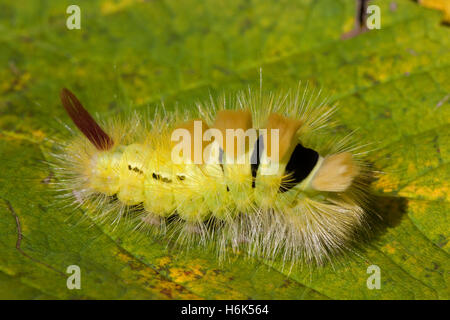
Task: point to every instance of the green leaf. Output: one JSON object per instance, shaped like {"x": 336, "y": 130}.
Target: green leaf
{"x": 393, "y": 84}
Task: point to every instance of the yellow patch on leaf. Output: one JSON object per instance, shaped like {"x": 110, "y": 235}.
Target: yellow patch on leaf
{"x": 110, "y": 7}
{"x": 390, "y": 249}
{"x": 164, "y": 261}
{"x": 387, "y": 183}
{"x": 183, "y": 275}
{"x": 442, "y": 5}
{"x": 426, "y": 192}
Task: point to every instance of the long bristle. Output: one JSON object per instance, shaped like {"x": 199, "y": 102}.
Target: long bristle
{"x": 84, "y": 121}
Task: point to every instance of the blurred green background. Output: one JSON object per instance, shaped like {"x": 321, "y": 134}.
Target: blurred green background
{"x": 392, "y": 83}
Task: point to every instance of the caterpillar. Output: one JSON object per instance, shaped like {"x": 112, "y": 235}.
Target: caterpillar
{"x": 259, "y": 173}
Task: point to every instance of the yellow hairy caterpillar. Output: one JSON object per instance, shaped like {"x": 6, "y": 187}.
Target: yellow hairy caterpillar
{"x": 255, "y": 173}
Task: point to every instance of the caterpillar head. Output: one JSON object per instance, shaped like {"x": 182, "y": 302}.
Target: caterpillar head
{"x": 103, "y": 164}
{"x": 336, "y": 173}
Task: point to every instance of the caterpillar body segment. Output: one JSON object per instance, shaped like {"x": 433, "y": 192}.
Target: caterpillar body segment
{"x": 274, "y": 185}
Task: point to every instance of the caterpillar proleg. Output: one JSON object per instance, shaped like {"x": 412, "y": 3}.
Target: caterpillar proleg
{"x": 259, "y": 173}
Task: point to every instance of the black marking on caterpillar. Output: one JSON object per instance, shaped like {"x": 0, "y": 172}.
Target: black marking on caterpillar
{"x": 302, "y": 162}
